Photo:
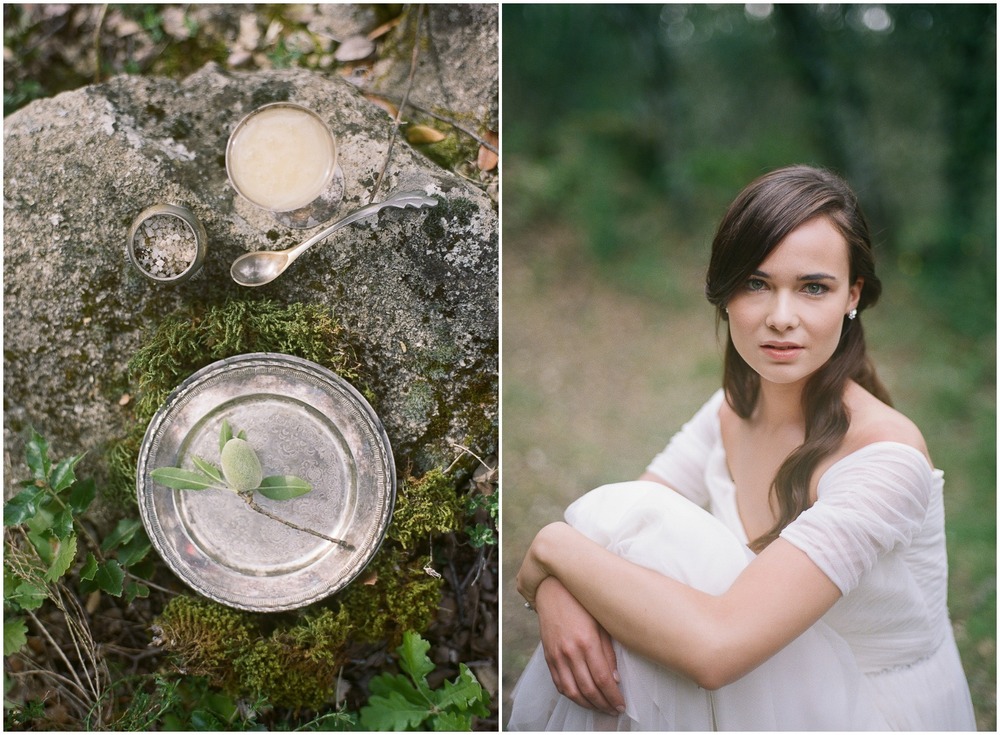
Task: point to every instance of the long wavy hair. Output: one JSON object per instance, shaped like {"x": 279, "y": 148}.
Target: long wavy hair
{"x": 756, "y": 222}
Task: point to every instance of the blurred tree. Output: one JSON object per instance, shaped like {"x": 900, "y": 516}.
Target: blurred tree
{"x": 968, "y": 42}
{"x": 825, "y": 60}
{"x": 674, "y": 107}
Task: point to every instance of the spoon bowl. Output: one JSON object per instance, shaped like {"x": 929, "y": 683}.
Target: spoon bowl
{"x": 263, "y": 266}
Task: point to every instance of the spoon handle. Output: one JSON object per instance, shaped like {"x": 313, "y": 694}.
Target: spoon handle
{"x": 401, "y": 199}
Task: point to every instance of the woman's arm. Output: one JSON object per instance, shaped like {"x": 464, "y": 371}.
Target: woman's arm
{"x": 578, "y": 650}
{"x": 713, "y": 640}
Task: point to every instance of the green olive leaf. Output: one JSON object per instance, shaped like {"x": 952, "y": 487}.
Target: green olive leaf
{"x": 208, "y": 468}
{"x": 225, "y": 434}
{"x": 178, "y": 479}
{"x": 283, "y": 487}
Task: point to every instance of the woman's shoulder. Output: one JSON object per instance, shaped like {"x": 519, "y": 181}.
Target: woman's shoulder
{"x": 874, "y": 422}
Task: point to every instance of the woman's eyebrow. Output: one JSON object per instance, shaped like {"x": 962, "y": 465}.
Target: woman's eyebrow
{"x": 806, "y": 277}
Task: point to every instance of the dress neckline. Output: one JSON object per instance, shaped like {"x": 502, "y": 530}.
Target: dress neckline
{"x": 852, "y": 455}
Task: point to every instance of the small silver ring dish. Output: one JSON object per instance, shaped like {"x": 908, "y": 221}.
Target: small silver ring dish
{"x": 167, "y": 244}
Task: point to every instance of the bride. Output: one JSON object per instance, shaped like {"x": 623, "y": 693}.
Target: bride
{"x": 781, "y": 565}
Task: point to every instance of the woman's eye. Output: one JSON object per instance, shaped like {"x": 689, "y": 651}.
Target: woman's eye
{"x": 755, "y": 284}
{"x": 815, "y": 289}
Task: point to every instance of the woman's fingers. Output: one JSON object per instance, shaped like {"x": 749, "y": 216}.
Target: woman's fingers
{"x": 578, "y": 651}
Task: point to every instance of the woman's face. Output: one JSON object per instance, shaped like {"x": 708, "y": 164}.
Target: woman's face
{"x": 786, "y": 320}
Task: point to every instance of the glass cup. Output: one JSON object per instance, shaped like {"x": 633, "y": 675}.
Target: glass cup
{"x": 282, "y": 158}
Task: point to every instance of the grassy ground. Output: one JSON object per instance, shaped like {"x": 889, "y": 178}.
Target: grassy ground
{"x": 602, "y": 364}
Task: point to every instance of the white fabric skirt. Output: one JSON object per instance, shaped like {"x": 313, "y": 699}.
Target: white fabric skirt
{"x": 812, "y": 684}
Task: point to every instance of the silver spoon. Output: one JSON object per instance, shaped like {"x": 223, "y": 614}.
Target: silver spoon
{"x": 263, "y": 266}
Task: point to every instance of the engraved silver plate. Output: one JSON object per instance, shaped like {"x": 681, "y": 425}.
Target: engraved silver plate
{"x": 302, "y": 420}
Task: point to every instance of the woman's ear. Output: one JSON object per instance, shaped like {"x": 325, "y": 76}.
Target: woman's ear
{"x": 856, "y": 288}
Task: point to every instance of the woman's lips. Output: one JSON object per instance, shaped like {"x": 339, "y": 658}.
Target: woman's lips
{"x": 781, "y": 351}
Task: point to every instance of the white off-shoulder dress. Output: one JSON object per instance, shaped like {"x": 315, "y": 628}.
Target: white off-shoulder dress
{"x": 882, "y": 658}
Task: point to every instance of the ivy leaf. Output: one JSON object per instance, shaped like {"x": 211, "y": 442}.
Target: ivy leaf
{"x": 385, "y": 685}
{"x": 36, "y": 455}
{"x": 63, "y": 475}
{"x": 62, "y": 524}
{"x": 464, "y": 693}
{"x": 450, "y": 722}
{"x": 283, "y": 487}
{"x": 209, "y": 469}
{"x": 392, "y": 712}
{"x": 134, "y": 550}
{"x": 413, "y": 657}
{"x": 122, "y": 534}
{"x": 82, "y": 495}
{"x": 110, "y": 577}
{"x": 15, "y": 635}
{"x": 178, "y": 479}
{"x": 40, "y": 536}
{"x": 89, "y": 570}
{"x": 22, "y": 507}
{"x": 135, "y": 589}
{"x": 63, "y": 560}
{"x": 27, "y": 596}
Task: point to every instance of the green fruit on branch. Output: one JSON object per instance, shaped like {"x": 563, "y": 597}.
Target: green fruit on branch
{"x": 240, "y": 466}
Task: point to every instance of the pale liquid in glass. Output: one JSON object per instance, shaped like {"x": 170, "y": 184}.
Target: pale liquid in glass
{"x": 281, "y": 158}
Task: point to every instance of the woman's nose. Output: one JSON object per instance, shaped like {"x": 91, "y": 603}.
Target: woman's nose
{"x": 781, "y": 313}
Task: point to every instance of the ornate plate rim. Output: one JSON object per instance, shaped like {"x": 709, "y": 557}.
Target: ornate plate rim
{"x": 183, "y": 390}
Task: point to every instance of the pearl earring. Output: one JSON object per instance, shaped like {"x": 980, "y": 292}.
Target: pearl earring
{"x": 852, "y": 314}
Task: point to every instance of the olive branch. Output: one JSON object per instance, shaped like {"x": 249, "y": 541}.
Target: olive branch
{"x": 241, "y": 473}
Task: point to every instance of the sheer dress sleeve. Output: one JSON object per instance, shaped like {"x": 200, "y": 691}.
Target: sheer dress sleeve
{"x": 869, "y": 503}
{"x": 682, "y": 464}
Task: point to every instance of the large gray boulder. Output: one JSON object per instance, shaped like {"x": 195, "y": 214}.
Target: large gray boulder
{"x": 418, "y": 286}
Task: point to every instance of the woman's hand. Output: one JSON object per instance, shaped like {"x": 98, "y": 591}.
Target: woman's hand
{"x": 578, "y": 650}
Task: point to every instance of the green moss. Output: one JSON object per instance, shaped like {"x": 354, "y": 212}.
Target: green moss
{"x": 297, "y": 666}
{"x": 294, "y": 665}
{"x": 425, "y": 507}
{"x": 396, "y": 595}
{"x": 452, "y": 151}
{"x": 206, "y": 636}
{"x": 194, "y": 337}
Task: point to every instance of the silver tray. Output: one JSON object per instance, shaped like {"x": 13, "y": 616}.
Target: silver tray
{"x": 302, "y": 420}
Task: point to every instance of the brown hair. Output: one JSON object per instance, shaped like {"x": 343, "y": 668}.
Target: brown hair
{"x": 756, "y": 222}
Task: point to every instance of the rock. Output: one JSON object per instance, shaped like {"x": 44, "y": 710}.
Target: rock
{"x": 419, "y": 287}
{"x": 457, "y": 65}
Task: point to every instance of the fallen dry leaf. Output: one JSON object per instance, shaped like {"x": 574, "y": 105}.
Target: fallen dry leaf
{"x": 384, "y": 104}
{"x": 355, "y": 48}
{"x": 488, "y": 159}
{"x": 419, "y": 134}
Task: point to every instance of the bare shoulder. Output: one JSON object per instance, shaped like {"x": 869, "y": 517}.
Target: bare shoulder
{"x": 874, "y": 421}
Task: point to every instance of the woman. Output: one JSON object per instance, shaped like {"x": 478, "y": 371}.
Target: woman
{"x": 781, "y": 564}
